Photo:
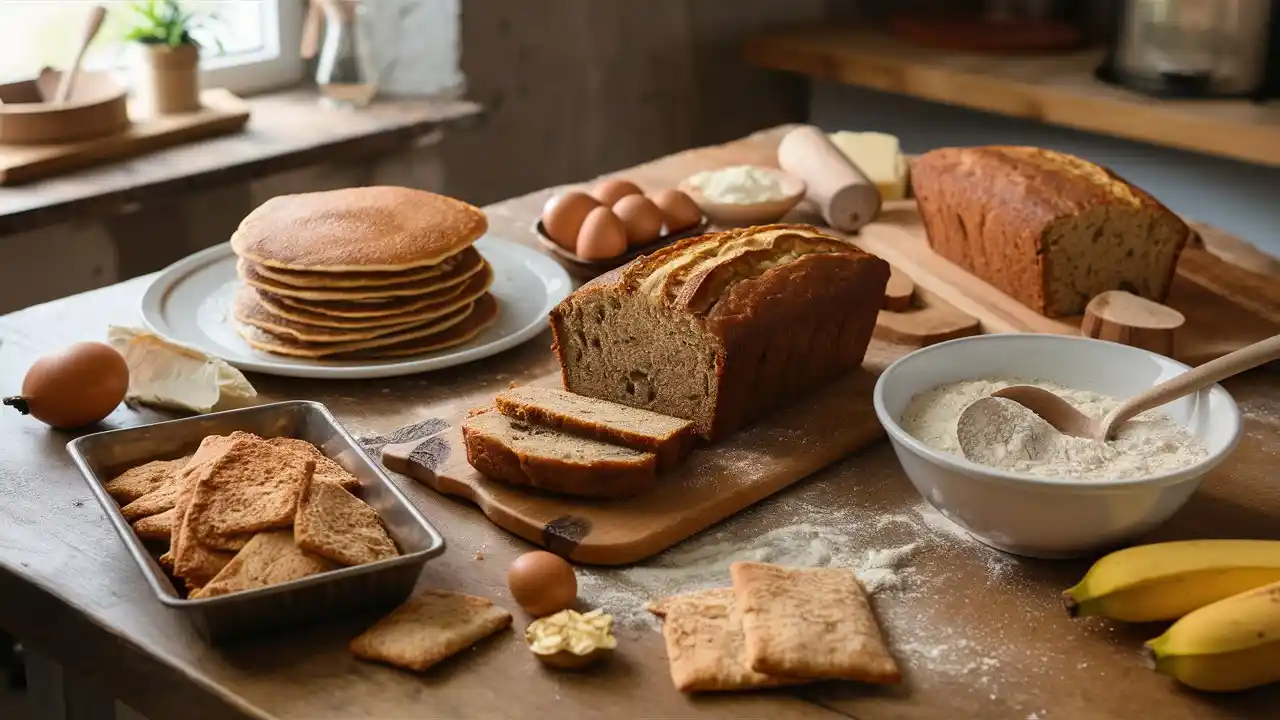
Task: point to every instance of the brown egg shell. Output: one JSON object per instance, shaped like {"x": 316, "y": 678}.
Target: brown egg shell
{"x": 542, "y": 583}
{"x": 74, "y": 387}
{"x": 610, "y": 192}
{"x": 602, "y": 236}
{"x": 679, "y": 211}
{"x": 563, "y": 217}
{"x": 641, "y": 217}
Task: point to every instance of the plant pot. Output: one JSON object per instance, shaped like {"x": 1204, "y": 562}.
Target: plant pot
{"x": 167, "y": 78}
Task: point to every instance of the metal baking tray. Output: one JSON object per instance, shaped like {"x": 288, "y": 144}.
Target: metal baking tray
{"x": 378, "y": 585}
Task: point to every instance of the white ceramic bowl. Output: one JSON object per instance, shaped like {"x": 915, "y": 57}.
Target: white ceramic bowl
{"x": 1042, "y": 517}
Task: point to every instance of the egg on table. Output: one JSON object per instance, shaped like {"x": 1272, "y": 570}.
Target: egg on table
{"x": 542, "y": 583}
{"x": 602, "y": 236}
{"x": 642, "y": 219}
{"x": 679, "y": 211}
{"x": 563, "y": 216}
{"x": 610, "y": 192}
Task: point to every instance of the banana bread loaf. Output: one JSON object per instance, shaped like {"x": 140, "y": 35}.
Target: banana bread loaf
{"x": 1047, "y": 228}
{"x": 718, "y": 329}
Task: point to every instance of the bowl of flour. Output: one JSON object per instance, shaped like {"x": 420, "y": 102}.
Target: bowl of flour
{"x": 1027, "y": 489}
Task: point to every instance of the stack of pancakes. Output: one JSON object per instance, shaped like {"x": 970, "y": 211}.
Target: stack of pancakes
{"x": 362, "y": 273}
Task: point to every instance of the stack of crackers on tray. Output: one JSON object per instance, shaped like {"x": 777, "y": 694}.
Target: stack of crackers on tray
{"x": 362, "y": 273}
{"x": 775, "y": 626}
{"x": 243, "y": 512}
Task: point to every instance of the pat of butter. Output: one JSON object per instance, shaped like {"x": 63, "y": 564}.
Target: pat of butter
{"x": 879, "y": 156}
{"x": 166, "y": 374}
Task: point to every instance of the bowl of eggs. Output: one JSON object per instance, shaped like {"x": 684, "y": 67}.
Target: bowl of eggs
{"x": 615, "y": 223}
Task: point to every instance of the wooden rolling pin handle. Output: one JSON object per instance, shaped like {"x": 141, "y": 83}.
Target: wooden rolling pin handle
{"x": 845, "y": 196}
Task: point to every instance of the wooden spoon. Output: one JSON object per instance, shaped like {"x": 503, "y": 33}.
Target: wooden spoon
{"x": 92, "y": 24}
{"x": 1063, "y": 416}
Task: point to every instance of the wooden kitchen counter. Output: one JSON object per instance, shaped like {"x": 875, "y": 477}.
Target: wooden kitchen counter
{"x": 979, "y": 634}
{"x": 1058, "y": 89}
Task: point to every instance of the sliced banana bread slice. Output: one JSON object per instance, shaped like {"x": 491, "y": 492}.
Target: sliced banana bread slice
{"x": 528, "y": 455}
{"x": 669, "y": 438}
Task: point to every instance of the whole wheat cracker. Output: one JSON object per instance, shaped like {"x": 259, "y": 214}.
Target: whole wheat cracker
{"x": 705, "y": 645}
{"x": 269, "y": 558}
{"x": 188, "y": 558}
{"x": 429, "y": 628}
{"x": 327, "y": 469}
{"x": 253, "y": 487}
{"x": 143, "y": 479}
{"x": 809, "y": 622}
{"x": 335, "y": 524}
{"x": 156, "y": 527}
{"x": 165, "y": 496}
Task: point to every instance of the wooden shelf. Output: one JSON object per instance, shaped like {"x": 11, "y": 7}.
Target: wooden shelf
{"x": 1060, "y": 90}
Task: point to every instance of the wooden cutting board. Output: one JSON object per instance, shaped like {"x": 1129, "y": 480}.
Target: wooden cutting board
{"x": 222, "y": 113}
{"x": 1226, "y": 307}
{"x": 714, "y": 483}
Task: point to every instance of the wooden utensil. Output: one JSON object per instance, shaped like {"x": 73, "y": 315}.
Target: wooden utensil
{"x": 844, "y": 195}
{"x": 899, "y": 291}
{"x": 1125, "y": 318}
{"x": 1063, "y": 416}
{"x": 92, "y": 24}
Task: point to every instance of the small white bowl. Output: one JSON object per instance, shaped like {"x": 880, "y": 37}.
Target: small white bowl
{"x": 1044, "y": 517}
{"x": 747, "y": 214}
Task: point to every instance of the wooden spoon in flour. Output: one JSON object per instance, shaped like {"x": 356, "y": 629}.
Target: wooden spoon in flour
{"x": 1063, "y": 416}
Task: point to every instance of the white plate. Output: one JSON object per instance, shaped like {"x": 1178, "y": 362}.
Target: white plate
{"x": 190, "y": 302}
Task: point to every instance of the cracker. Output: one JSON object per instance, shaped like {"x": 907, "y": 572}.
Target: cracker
{"x": 156, "y": 527}
{"x": 327, "y": 469}
{"x": 810, "y": 622}
{"x": 333, "y": 523}
{"x": 189, "y": 558}
{"x": 705, "y": 648}
{"x": 429, "y": 628}
{"x": 165, "y": 496}
{"x": 269, "y": 558}
{"x": 251, "y": 488}
{"x": 143, "y": 480}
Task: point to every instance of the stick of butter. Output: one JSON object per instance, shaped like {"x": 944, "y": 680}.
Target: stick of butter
{"x": 879, "y": 156}
{"x": 166, "y": 374}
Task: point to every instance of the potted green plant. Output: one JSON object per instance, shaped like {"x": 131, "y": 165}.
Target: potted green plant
{"x": 167, "y": 55}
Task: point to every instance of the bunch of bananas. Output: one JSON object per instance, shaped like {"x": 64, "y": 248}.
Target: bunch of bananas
{"x": 1224, "y": 595}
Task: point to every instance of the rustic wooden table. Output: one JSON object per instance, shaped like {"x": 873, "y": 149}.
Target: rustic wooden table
{"x": 979, "y": 633}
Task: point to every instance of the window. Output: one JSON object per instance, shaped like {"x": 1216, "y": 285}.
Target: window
{"x": 259, "y": 40}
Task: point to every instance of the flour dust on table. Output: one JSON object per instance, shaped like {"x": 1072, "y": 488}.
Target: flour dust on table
{"x": 1018, "y": 440}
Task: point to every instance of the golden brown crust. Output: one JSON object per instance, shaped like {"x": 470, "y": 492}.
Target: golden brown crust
{"x": 358, "y": 230}
{"x": 990, "y": 209}
{"x": 468, "y": 266}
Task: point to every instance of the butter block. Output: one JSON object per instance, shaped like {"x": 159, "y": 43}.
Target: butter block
{"x": 879, "y": 156}
{"x": 170, "y": 375}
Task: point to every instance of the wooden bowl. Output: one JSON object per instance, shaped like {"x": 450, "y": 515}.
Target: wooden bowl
{"x": 743, "y": 214}
{"x": 599, "y": 267}
{"x": 98, "y": 106}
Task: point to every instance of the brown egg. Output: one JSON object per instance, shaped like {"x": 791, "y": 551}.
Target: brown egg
{"x": 563, "y": 215}
{"x": 542, "y": 583}
{"x": 602, "y": 235}
{"x": 610, "y": 192}
{"x": 76, "y": 386}
{"x": 679, "y": 211}
{"x": 641, "y": 217}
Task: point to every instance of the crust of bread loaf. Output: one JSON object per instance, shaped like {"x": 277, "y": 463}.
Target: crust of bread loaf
{"x": 774, "y": 328}
{"x": 495, "y": 459}
{"x": 1007, "y": 198}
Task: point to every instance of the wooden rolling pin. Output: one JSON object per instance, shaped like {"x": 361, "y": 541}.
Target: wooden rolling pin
{"x": 844, "y": 195}
{"x": 92, "y": 24}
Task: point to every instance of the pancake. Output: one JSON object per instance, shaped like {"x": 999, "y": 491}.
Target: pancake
{"x": 369, "y": 308}
{"x": 469, "y": 291}
{"x": 477, "y": 322}
{"x": 433, "y": 335}
{"x": 358, "y": 230}
{"x": 312, "y": 279}
{"x": 248, "y": 310}
{"x": 466, "y": 267}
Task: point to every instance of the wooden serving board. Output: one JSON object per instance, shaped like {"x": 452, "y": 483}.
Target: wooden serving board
{"x": 1226, "y": 307}
{"x": 714, "y": 483}
{"x": 222, "y": 113}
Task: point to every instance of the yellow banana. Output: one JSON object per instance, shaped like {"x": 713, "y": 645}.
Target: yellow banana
{"x": 1233, "y": 644}
{"x": 1165, "y": 581}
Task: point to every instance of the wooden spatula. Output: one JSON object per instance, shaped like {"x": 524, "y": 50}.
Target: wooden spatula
{"x": 92, "y": 24}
